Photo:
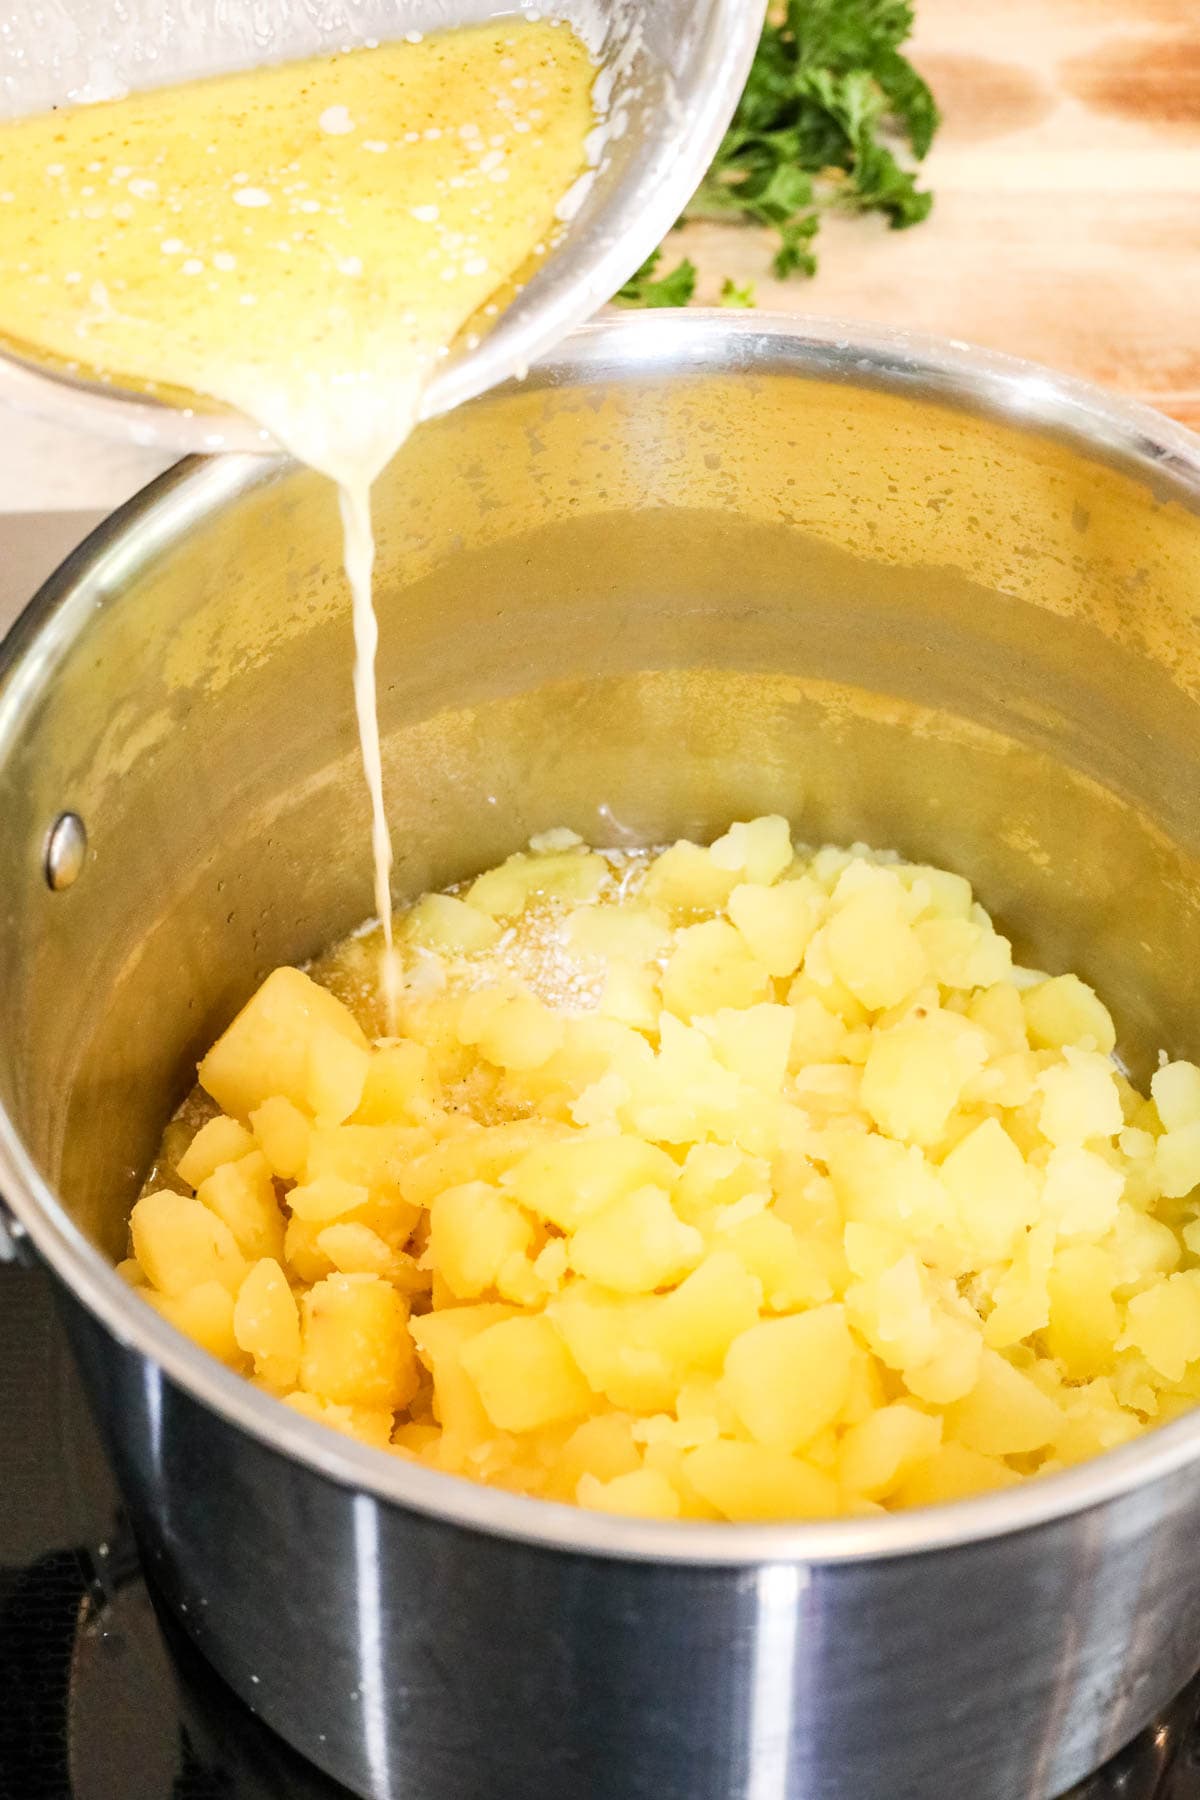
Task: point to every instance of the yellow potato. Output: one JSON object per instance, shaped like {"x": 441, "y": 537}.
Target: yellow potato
{"x": 789, "y": 1378}
{"x": 356, "y": 1345}
{"x": 205, "y": 1314}
{"x": 265, "y": 1051}
{"x": 180, "y": 1244}
{"x": 729, "y": 1183}
{"x": 218, "y": 1141}
{"x": 525, "y": 1374}
{"x": 266, "y": 1324}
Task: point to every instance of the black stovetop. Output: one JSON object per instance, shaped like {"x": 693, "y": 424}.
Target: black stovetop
{"x": 101, "y": 1698}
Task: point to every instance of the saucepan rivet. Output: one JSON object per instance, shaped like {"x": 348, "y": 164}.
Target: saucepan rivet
{"x": 66, "y": 848}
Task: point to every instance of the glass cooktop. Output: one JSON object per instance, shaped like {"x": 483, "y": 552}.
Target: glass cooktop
{"x": 101, "y": 1698}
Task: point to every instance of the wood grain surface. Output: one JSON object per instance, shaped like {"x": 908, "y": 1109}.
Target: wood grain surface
{"x": 1066, "y": 225}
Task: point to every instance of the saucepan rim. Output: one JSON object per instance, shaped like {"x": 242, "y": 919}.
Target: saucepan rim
{"x": 1102, "y": 425}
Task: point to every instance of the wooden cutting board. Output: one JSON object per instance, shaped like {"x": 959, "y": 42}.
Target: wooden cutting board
{"x": 1066, "y": 225}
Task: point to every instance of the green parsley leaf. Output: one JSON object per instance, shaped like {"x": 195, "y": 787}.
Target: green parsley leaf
{"x": 673, "y": 289}
{"x": 734, "y": 295}
{"x": 829, "y": 99}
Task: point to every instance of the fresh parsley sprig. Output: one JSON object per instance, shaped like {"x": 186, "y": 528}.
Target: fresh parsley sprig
{"x": 829, "y": 99}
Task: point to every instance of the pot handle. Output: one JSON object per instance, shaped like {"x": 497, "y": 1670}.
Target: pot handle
{"x": 14, "y": 1241}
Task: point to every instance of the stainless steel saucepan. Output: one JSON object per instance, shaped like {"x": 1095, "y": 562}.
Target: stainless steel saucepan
{"x": 697, "y": 567}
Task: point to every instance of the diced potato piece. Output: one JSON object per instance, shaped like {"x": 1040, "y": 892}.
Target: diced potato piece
{"x": 559, "y": 875}
{"x": 511, "y": 1028}
{"x": 642, "y": 1493}
{"x": 1095, "y": 1422}
{"x": 1142, "y": 1247}
{"x": 716, "y": 1177}
{"x": 369, "y": 1425}
{"x": 614, "y": 1341}
{"x": 754, "y": 1041}
{"x": 302, "y": 1252}
{"x": 131, "y": 1272}
{"x": 266, "y": 1324}
{"x": 337, "y": 1074}
{"x": 712, "y": 967}
{"x": 327, "y": 1198}
{"x": 1079, "y": 1099}
{"x": 1005, "y": 1414}
{"x": 1177, "y": 1160}
{"x": 915, "y": 1072}
{"x": 993, "y": 1192}
{"x": 818, "y": 1034}
{"x": 180, "y": 1244}
{"x": 753, "y": 1481}
{"x": 954, "y": 1473}
{"x": 936, "y": 893}
{"x": 685, "y": 880}
{"x": 370, "y": 1156}
{"x": 629, "y": 933}
{"x": 635, "y": 1244}
{"x": 282, "y": 1133}
{"x": 473, "y": 1230}
{"x": 1175, "y": 1089}
{"x": 602, "y": 1447}
{"x": 778, "y": 922}
{"x": 631, "y": 996}
{"x": 1022, "y": 1295}
{"x": 1081, "y": 1192}
{"x": 218, "y": 1141}
{"x": 998, "y": 1011}
{"x": 1163, "y": 1323}
{"x": 878, "y": 1452}
{"x": 356, "y": 1345}
{"x": 698, "y": 1320}
{"x": 265, "y": 1051}
{"x": 1084, "y": 1319}
{"x": 792, "y": 1271}
{"x": 400, "y": 1088}
{"x": 963, "y": 954}
{"x": 872, "y": 948}
{"x": 204, "y": 1313}
{"x": 567, "y": 1181}
{"x": 526, "y": 1376}
{"x": 757, "y": 849}
{"x": 475, "y": 1153}
{"x": 1064, "y": 1010}
{"x": 451, "y": 927}
{"x": 243, "y": 1195}
{"x": 440, "y": 1338}
{"x": 354, "y": 1249}
{"x": 878, "y": 1181}
{"x": 789, "y": 1378}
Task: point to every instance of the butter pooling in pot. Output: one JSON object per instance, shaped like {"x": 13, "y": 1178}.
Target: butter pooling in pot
{"x": 302, "y": 243}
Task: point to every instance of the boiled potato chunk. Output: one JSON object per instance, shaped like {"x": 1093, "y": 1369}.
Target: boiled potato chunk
{"x": 266, "y": 1324}
{"x": 356, "y": 1347}
{"x": 636, "y": 1243}
{"x": 218, "y": 1141}
{"x": 180, "y": 1244}
{"x": 642, "y": 1493}
{"x": 205, "y": 1314}
{"x": 473, "y": 1230}
{"x": 728, "y": 1182}
{"x": 525, "y": 1374}
{"x": 879, "y": 1450}
{"x": 754, "y": 1481}
{"x": 265, "y": 1051}
{"x": 789, "y": 1378}
{"x": 242, "y": 1193}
